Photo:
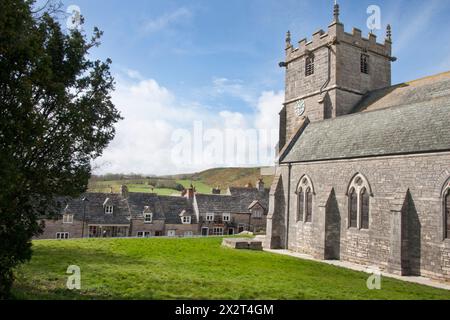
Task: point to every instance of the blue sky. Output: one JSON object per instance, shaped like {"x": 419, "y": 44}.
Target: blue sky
{"x": 216, "y": 62}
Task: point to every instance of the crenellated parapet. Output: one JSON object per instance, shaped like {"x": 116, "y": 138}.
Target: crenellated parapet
{"x": 336, "y": 35}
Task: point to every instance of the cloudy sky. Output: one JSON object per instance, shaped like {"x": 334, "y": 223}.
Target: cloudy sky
{"x": 194, "y": 76}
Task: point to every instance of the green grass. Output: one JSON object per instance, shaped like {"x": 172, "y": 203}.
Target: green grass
{"x": 192, "y": 269}
{"x": 199, "y": 186}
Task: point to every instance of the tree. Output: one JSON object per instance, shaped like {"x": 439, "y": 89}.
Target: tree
{"x": 56, "y": 116}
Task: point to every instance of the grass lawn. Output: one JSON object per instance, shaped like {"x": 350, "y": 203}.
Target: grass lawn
{"x": 199, "y": 186}
{"x": 192, "y": 269}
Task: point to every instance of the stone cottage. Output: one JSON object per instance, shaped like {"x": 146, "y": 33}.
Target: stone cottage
{"x": 240, "y": 209}
{"x": 103, "y": 215}
{"x": 363, "y": 170}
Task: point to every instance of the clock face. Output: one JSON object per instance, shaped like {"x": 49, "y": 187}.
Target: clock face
{"x": 300, "y": 108}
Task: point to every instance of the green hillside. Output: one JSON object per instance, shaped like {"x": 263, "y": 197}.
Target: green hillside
{"x": 204, "y": 181}
{"x": 196, "y": 268}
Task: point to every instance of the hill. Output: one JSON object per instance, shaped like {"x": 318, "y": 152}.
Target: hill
{"x": 203, "y": 181}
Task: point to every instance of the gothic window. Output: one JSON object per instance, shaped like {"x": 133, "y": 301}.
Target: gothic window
{"x": 308, "y": 205}
{"x": 305, "y": 192}
{"x": 364, "y": 63}
{"x": 300, "y": 205}
{"x": 309, "y": 68}
{"x": 447, "y": 211}
{"x": 353, "y": 208}
{"x": 365, "y": 198}
{"x": 359, "y": 203}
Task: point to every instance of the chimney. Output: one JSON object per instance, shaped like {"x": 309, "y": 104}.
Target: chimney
{"x": 260, "y": 185}
{"x": 190, "y": 193}
{"x": 111, "y": 190}
{"x": 124, "y": 191}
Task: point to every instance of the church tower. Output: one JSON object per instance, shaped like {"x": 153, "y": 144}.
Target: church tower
{"x": 327, "y": 76}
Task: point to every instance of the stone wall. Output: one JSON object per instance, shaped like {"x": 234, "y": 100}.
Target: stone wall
{"x": 54, "y": 226}
{"x": 138, "y": 225}
{"x": 416, "y": 180}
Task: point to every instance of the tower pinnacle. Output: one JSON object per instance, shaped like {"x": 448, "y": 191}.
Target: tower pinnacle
{"x": 336, "y": 12}
{"x": 288, "y": 39}
{"x": 389, "y": 33}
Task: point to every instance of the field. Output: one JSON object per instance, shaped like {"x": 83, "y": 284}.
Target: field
{"x": 202, "y": 181}
{"x": 192, "y": 269}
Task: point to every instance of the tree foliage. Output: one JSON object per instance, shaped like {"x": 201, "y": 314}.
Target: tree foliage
{"x": 56, "y": 116}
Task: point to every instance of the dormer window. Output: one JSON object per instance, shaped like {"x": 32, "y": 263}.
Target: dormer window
{"x": 210, "y": 217}
{"x": 364, "y": 63}
{"x": 257, "y": 214}
{"x": 309, "y": 66}
{"x": 68, "y": 218}
{"x": 226, "y": 217}
{"x": 109, "y": 209}
{"x": 186, "y": 220}
{"x": 148, "y": 217}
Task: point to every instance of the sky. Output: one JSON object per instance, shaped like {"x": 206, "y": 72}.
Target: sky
{"x": 198, "y": 81}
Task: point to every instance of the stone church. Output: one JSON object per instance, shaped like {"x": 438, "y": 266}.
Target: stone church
{"x": 363, "y": 168}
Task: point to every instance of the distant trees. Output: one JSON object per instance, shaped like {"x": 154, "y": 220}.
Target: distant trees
{"x": 56, "y": 116}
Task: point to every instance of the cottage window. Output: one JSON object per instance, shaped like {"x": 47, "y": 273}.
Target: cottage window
{"x": 210, "y": 217}
{"x": 300, "y": 204}
{"x": 257, "y": 213}
{"x": 188, "y": 234}
{"x": 186, "y": 220}
{"x": 62, "y": 235}
{"x": 144, "y": 234}
{"x": 68, "y": 218}
{"x": 309, "y": 66}
{"x": 109, "y": 209}
{"x": 226, "y": 217}
{"x": 359, "y": 203}
{"x": 148, "y": 217}
{"x": 218, "y": 231}
{"x": 364, "y": 63}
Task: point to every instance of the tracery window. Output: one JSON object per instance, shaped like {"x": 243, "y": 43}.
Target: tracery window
{"x": 359, "y": 193}
{"x": 305, "y": 193}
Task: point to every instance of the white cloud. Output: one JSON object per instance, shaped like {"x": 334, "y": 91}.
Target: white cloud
{"x": 153, "y": 114}
{"x": 234, "y": 88}
{"x": 178, "y": 16}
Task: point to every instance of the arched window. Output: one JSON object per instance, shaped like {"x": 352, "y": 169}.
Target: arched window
{"x": 365, "y": 198}
{"x": 300, "y": 204}
{"x": 309, "y": 66}
{"x": 353, "y": 208}
{"x": 447, "y": 211}
{"x": 308, "y": 205}
{"x": 305, "y": 192}
{"x": 359, "y": 203}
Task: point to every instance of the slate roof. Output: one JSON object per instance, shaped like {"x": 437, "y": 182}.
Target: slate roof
{"x": 237, "y": 201}
{"x": 163, "y": 208}
{"x": 173, "y": 206}
{"x": 397, "y": 120}
{"x": 95, "y": 212}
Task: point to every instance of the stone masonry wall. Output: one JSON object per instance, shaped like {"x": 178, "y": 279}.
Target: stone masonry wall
{"x": 389, "y": 178}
